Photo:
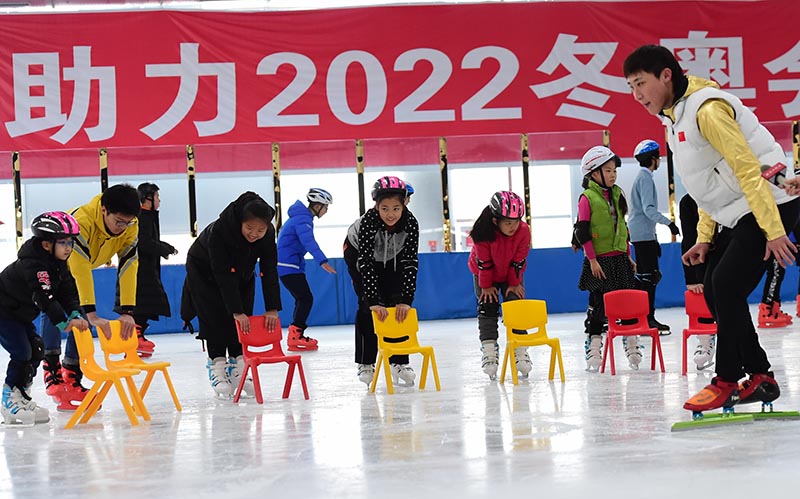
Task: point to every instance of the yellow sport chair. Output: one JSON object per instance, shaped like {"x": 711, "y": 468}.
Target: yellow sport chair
{"x": 400, "y": 338}
{"x": 528, "y": 315}
{"x": 116, "y": 346}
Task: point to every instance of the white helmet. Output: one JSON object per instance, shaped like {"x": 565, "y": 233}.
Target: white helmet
{"x": 596, "y": 157}
{"x": 321, "y": 196}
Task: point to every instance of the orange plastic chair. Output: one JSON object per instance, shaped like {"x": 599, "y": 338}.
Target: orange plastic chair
{"x": 696, "y": 309}
{"x": 103, "y": 381}
{"x": 263, "y": 346}
{"x": 116, "y": 346}
{"x": 400, "y": 338}
{"x": 627, "y": 311}
{"x": 528, "y": 315}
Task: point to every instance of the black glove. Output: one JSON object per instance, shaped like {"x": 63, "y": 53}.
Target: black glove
{"x": 674, "y": 229}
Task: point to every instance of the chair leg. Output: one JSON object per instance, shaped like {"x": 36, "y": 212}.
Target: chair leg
{"x": 388, "y": 374}
{"x": 238, "y": 393}
{"x": 423, "y": 378}
{"x": 610, "y": 346}
{"x": 302, "y": 378}
{"x": 660, "y": 350}
{"x": 653, "y": 353}
{"x": 378, "y": 365}
{"x": 560, "y": 361}
{"x": 552, "y": 372}
{"x": 685, "y": 354}
{"x": 84, "y": 405}
{"x": 512, "y": 361}
{"x": 287, "y": 385}
{"x": 505, "y": 362}
{"x": 256, "y": 381}
{"x": 605, "y": 354}
{"x": 175, "y": 400}
{"x": 435, "y": 371}
{"x": 136, "y": 398}
{"x": 94, "y": 404}
{"x": 146, "y": 383}
{"x": 129, "y": 408}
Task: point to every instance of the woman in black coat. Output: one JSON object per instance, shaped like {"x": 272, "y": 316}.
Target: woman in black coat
{"x": 220, "y": 284}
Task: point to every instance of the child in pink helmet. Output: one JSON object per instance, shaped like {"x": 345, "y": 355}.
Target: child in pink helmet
{"x": 497, "y": 261}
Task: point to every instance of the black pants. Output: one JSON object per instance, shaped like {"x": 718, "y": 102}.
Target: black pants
{"x": 735, "y": 266}
{"x": 366, "y": 340}
{"x": 772, "y": 286}
{"x": 297, "y": 284}
{"x": 647, "y": 272}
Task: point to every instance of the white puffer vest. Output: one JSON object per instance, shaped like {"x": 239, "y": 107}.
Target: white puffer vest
{"x": 706, "y": 175}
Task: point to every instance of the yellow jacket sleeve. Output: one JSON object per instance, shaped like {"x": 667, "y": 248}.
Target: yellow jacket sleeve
{"x": 128, "y": 267}
{"x": 706, "y": 227}
{"x": 717, "y": 124}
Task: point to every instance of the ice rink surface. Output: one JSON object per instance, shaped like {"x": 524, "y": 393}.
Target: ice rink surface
{"x": 595, "y": 436}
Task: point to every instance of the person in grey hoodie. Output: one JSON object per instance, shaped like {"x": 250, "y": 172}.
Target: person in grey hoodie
{"x": 644, "y": 216}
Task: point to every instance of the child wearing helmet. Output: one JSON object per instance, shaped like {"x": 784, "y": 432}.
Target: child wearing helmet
{"x": 39, "y": 281}
{"x": 410, "y": 191}
{"x": 603, "y": 234}
{"x": 497, "y": 260}
{"x": 295, "y": 239}
{"x": 644, "y": 216}
{"x": 381, "y": 254}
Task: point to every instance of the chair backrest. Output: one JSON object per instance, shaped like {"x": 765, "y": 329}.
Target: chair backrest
{"x": 530, "y": 315}
{"x": 697, "y": 310}
{"x": 85, "y": 344}
{"x": 393, "y": 334}
{"x": 261, "y": 342}
{"x": 116, "y": 346}
{"x": 627, "y": 309}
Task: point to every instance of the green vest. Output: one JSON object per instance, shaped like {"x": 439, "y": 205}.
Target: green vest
{"x": 604, "y": 238}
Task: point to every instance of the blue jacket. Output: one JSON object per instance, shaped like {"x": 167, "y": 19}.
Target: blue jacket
{"x": 644, "y": 214}
{"x": 295, "y": 239}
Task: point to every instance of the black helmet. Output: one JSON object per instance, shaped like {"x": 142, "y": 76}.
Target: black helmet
{"x": 147, "y": 191}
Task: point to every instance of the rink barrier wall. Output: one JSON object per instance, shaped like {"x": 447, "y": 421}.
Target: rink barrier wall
{"x": 444, "y": 288}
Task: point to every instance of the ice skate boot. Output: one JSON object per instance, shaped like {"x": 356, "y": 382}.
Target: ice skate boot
{"x": 74, "y": 392}
{"x": 53, "y": 382}
{"x": 663, "y": 329}
{"x": 594, "y": 352}
{"x": 365, "y": 373}
{"x": 235, "y": 370}
{"x": 404, "y": 373}
{"x": 767, "y": 318}
{"x": 490, "y": 359}
{"x": 146, "y": 347}
{"x": 524, "y": 364}
{"x": 797, "y": 307}
{"x": 780, "y": 314}
{"x": 41, "y": 413}
{"x": 759, "y": 388}
{"x": 218, "y": 377}
{"x": 632, "y": 351}
{"x": 718, "y": 394}
{"x": 15, "y": 410}
{"x": 297, "y": 341}
{"x": 704, "y": 355}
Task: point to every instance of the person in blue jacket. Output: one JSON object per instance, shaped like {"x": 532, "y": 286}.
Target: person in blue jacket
{"x": 295, "y": 239}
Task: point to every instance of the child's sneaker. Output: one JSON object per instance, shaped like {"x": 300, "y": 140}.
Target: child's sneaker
{"x": 490, "y": 359}
{"x": 218, "y": 376}
{"x": 594, "y": 352}
{"x": 366, "y": 372}
{"x": 404, "y": 373}
{"x": 759, "y": 388}
{"x": 704, "y": 355}
{"x": 524, "y": 365}
{"x": 235, "y": 370}
{"x": 718, "y": 394}
{"x": 14, "y": 408}
{"x": 633, "y": 351}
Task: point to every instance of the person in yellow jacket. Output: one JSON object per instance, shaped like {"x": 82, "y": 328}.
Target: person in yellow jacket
{"x": 725, "y": 158}
{"x": 109, "y": 227}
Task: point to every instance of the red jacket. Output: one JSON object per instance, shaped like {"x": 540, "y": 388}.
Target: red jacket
{"x": 502, "y": 260}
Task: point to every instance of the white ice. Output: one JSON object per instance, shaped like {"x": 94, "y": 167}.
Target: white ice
{"x": 595, "y": 436}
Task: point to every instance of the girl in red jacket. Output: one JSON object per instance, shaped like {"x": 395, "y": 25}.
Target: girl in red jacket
{"x": 498, "y": 259}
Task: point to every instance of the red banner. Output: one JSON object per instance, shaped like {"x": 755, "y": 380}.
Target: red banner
{"x": 173, "y": 78}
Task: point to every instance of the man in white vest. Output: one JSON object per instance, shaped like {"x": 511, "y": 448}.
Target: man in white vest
{"x": 719, "y": 148}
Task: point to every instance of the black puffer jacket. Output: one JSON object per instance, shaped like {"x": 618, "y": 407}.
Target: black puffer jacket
{"x": 220, "y": 270}
{"x": 151, "y": 300}
{"x": 38, "y": 282}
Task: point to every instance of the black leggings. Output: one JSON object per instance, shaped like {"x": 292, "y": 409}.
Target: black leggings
{"x": 297, "y": 285}
{"x": 735, "y": 267}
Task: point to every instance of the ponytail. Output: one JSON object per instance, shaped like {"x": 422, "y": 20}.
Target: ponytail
{"x": 484, "y": 228}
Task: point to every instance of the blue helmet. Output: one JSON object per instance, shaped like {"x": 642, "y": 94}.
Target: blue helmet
{"x": 645, "y": 151}
{"x": 409, "y": 188}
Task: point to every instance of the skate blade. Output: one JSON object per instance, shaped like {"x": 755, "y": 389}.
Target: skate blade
{"x": 15, "y": 426}
{"x": 295, "y": 348}
{"x": 774, "y": 325}
{"x": 705, "y": 366}
{"x": 144, "y": 354}
{"x": 713, "y": 420}
{"x": 765, "y": 415}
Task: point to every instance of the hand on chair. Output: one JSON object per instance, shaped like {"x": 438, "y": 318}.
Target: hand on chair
{"x": 381, "y": 312}
{"x": 128, "y": 326}
{"x": 100, "y": 323}
{"x": 401, "y": 311}
{"x": 271, "y": 319}
{"x": 244, "y": 322}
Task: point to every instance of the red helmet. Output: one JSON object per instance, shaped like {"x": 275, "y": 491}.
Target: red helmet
{"x": 506, "y": 204}
{"x": 55, "y": 225}
{"x": 388, "y": 186}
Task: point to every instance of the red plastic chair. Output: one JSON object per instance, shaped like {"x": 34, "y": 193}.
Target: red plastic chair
{"x": 627, "y": 311}
{"x": 696, "y": 309}
{"x": 262, "y": 346}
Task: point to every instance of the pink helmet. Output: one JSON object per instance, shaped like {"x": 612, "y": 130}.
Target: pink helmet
{"x": 506, "y": 204}
{"x": 387, "y": 186}
{"x": 55, "y": 225}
